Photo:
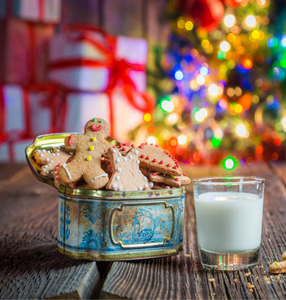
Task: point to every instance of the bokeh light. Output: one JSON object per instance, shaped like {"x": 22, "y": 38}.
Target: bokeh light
{"x": 250, "y": 21}
{"x": 179, "y": 75}
{"x": 241, "y": 131}
{"x": 213, "y": 89}
{"x": 148, "y": 118}
{"x": 225, "y": 46}
{"x": 167, "y": 105}
{"x": 182, "y": 139}
{"x": 229, "y": 20}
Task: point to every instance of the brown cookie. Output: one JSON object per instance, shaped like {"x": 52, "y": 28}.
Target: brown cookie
{"x": 126, "y": 174}
{"x": 88, "y": 148}
{"x": 106, "y": 166}
{"x": 278, "y": 267}
{"x": 48, "y": 160}
{"x": 157, "y": 177}
{"x": 156, "y": 159}
{"x": 159, "y": 186}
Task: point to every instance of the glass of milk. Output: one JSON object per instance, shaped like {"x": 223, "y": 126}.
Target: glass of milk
{"x": 229, "y": 221}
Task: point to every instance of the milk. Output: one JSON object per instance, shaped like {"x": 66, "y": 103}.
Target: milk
{"x": 229, "y": 222}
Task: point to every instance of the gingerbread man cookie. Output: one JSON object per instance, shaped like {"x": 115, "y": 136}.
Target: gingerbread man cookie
{"x": 126, "y": 175}
{"x": 48, "y": 160}
{"x": 88, "y": 148}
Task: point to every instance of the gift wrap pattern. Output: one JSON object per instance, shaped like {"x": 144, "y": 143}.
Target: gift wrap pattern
{"x": 112, "y": 229}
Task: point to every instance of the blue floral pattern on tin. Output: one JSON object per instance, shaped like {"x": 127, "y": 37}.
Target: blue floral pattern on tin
{"x": 91, "y": 212}
{"x": 65, "y": 221}
{"x": 92, "y": 240}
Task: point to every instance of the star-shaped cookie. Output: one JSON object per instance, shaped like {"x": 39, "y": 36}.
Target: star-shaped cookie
{"x": 126, "y": 175}
{"x": 49, "y": 160}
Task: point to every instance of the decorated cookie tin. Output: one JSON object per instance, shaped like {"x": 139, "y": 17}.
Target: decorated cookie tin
{"x": 108, "y": 225}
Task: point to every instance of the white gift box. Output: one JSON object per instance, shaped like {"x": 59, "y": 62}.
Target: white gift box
{"x": 82, "y": 107}
{"x": 45, "y": 11}
{"x": 13, "y": 103}
{"x": 83, "y": 61}
{"x": 14, "y": 151}
{"x": 23, "y": 112}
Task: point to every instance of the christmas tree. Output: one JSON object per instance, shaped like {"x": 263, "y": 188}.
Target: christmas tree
{"x": 219, "y": 83}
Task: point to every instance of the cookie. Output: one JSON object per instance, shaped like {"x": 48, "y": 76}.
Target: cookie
{"x": 88, "y": 148}
{"x": 106, "y": 166}
{"x": 278, "y": 267}
{"x": 157, "y": 177}
{"x": 156, "y": 159}
{"x": 158, "y": 186}
{"x": 126, "y": 175}
{"x": 49, "y": 159}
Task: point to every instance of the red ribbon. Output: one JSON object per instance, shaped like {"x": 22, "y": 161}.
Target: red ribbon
{"x": 119, "y": 69}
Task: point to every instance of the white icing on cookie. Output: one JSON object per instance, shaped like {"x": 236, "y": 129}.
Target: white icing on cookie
{"x": 151, "y": 184}
{"x": 138, "y": 161}
{"x": 130, "y": 156}
{"x": 117, "y": 178}
{"x": 120, "y": 188}
{"x": 124, "y": 158}
{"x": 140, "y": 188}
{"x": 119, "y": 169}
{"x": 145, "y": 178}
{"x": 146, "y": 185}
{"x": 69, "y": 175}
{"x": 102, "y": 175}
{"x": 136, "y": 152}
{"x": 114, "y": 185}
{"x": 119, "y": 154}
{"x": 42, "y": 155}
{"x": 117, "y": 160}
{"x": 113, "y": 150}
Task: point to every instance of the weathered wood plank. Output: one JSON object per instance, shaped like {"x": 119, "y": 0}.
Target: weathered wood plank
{"x": 182, "y": 277}
{"x": 30, "y": 265}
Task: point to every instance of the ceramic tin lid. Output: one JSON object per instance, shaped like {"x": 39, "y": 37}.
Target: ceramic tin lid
{"x": 50, "y": 141}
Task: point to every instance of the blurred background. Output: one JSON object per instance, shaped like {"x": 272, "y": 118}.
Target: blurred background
{"x": 204, "y": 79}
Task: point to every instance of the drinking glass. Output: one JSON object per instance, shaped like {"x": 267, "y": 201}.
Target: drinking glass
{"x": 229, "y": 221}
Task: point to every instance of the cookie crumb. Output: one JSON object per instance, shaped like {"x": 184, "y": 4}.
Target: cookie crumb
{"x": 235, "y": 280}
{"x": 211, "y": 280}
{"x": 187, "y": 255}
{"x": 247, "y": 274}
{"x": 213, "y": 293}
{"x": 251, "y": 290}
{"x": 250, "y": 286}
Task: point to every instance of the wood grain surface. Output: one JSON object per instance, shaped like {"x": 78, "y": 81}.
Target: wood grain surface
{"x": 182, "y": 277}
{"x": 30, "y": 265}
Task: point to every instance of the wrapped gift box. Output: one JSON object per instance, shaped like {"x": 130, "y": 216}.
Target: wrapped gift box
{"x": 117, "y": 111}
{"x": 24, "y": 51}
{"x": 14, "y": 151}
{"x": 25, "y": 113}
{"x": 40, "y": 11}
{"x": 86, "y": 59}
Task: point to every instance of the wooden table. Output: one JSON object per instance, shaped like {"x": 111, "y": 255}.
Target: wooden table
{"x": 31, "y": 267}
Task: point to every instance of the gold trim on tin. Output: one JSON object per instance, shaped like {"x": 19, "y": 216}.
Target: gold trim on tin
{"x": 165, "y": 239}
